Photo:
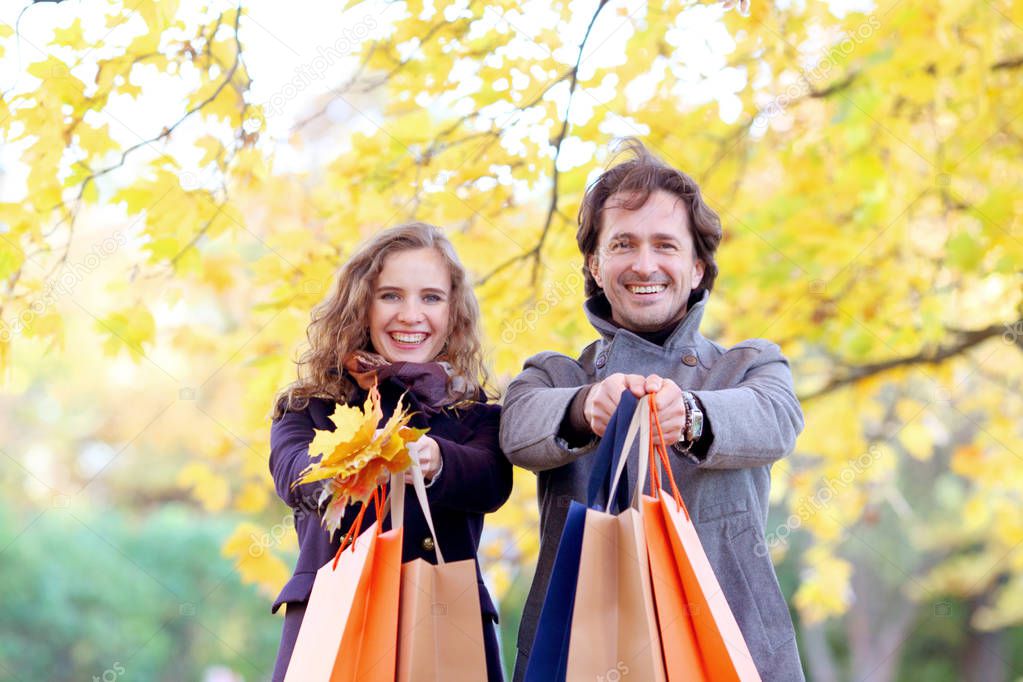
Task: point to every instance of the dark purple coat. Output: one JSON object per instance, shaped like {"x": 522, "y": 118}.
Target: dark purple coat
{"x": 476, "y": 479}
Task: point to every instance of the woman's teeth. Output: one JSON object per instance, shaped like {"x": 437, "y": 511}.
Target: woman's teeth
{"x": 408, "y": 338}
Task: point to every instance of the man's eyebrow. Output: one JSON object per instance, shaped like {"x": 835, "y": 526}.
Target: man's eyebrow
{"x": 660, "y": 236}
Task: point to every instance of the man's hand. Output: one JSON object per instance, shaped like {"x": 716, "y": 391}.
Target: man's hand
{"x": 602, "y": 400}
{"x": 427, "y": 453}
{"x": 671, "y": 410}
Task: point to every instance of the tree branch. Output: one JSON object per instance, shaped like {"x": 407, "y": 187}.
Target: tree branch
{"x": 836, "y": 87}
{"x": 966, "y": 340}
{"x": 368, "y": 87}
{"x": 535, "y": 252}
{"x": 166, "y": 132}
{"x": 72, "y": 215}
{"x": 1010, "y": 63}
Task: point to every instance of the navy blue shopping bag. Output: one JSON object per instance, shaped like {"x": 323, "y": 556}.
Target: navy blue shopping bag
{"x": 548, "y": 657}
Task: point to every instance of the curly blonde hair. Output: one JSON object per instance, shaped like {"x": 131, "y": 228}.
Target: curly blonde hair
{"x": 340, "y": 323}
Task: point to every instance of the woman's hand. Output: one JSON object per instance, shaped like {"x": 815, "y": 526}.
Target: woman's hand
{"x": 427, "y": 453}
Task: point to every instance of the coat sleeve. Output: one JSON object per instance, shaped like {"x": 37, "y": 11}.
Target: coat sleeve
{"x": 756, "y": 421}
{"x": 534, "y": 408}
{"x": 290, "y": 437}
{"x": 476, "y": 476}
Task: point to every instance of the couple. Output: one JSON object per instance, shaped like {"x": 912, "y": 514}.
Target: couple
{"x": 404, "y": 315}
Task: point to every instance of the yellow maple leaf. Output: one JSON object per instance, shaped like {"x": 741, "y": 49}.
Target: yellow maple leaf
{"x": 354, "y": 455}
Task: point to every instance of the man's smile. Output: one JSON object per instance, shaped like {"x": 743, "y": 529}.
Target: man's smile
{"x": 646, "y": 289}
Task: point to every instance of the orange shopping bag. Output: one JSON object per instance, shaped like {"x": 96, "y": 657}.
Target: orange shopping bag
{"x": 692, "y": 610}
{"x": 367, "y": 652}
{"x": 682, "y": 659}
{"x": 349, "y": 632}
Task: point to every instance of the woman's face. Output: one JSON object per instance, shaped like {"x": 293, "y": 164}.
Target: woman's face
{"x": 410, "y": 311}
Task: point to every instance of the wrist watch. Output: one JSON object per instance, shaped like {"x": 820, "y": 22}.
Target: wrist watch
{"x": 694, "y": 421}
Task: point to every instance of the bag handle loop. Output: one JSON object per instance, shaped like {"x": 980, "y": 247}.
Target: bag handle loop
{"x": 659, "y": 457}
{"x": 398, "y": 502}
{"x": 638, "y": 425}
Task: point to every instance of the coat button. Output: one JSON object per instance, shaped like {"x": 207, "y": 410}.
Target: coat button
{"x": 689, "y": 359}
{"x": 601, "y": 361}
{"x": 428, "y": 544}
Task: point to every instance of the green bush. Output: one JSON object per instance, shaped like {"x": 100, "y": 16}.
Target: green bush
{"x": 106, "y": 596}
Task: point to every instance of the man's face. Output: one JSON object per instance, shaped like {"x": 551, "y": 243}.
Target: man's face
{"x": 645, "y": 262}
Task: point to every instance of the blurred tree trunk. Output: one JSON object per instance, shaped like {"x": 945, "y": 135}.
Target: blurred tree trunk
{"x": 985, "y": 658}
{"x": 878, "y": 625}
{"x": 818, "y": 661}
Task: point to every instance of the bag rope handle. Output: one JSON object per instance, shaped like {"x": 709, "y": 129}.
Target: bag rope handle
{"x": 377, "y": 497}
{"x": 662, "y": 453}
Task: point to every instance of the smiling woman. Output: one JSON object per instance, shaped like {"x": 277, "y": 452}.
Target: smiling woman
{"x": 408, "y": 320}
{"x": 402, "y": 317}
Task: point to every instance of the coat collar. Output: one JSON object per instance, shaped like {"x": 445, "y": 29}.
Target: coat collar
{"x": 598, "y": 312}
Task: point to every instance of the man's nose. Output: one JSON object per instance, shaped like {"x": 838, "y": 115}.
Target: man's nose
{"x": 644, "y": 263}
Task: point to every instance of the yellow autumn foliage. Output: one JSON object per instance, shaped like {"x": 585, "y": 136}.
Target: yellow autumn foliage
{"x": 865, "y": 164}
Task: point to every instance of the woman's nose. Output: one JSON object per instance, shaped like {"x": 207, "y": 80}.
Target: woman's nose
{"x": 410, "y": 313}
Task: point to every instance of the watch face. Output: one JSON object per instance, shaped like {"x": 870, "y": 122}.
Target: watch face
{"x": 697, "y": 427}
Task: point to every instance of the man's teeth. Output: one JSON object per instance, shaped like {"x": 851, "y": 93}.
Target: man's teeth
{"x": 648, "y": 289}
{"x": 409, "y": 338}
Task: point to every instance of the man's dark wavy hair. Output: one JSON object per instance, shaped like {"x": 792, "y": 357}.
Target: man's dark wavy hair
{"x": 634, "y": 180}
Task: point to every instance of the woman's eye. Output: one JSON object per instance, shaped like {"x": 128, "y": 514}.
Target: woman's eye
{"x": 389, "y": 296}
{"x": 432, "y": 298}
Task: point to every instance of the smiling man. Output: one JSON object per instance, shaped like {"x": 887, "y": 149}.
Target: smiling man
{"x": 648, "y": 241}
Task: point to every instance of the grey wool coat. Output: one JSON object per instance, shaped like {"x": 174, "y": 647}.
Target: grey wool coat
{"x": 754, "y": 417}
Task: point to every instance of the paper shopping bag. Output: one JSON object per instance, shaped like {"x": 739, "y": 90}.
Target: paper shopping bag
{"x": 548, "y": 657}
{"x": 703, "y": 613}
{"x": 682, "y": 659}
{"x": 367, "y": 649}
{"x": 723, "y": 648}
{"x": 614, "y": 625}
{"x": 614, "y": 622}
{"x": 330, "y": 608}
{"x": 440, "y": 625}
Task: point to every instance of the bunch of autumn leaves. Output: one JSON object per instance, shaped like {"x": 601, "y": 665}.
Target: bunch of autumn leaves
{"x": 354, "y": 456}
